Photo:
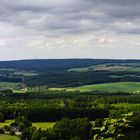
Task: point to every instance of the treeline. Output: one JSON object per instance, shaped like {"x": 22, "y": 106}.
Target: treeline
{"x": 38, "y": 113}
{"x": 73, "y": 79}
{"x": 10, "y": 79}
{"x": 54, "y": 114}
{"x": 59, "y": 64}
{"x": 46, "y": 105}
{"x": 77, "y": 96}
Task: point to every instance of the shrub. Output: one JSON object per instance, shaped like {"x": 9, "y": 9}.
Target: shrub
{"x": 12, "y": 132}
{"x": 7, "y": 128}
{"x": 1, "y": 131}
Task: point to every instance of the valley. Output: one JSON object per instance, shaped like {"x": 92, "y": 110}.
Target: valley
{"x": 48, "y": 97}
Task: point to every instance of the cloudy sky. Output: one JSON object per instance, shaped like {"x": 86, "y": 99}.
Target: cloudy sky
{"x": 69, "y": 29}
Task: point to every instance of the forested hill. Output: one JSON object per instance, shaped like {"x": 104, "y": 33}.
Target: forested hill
{"x": 58, "y": 64}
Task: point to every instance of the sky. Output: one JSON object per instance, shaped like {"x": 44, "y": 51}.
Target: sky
{"x": 69, "y": 29}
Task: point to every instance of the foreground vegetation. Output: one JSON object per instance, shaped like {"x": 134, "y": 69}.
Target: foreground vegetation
{"x": 78, "y": 129}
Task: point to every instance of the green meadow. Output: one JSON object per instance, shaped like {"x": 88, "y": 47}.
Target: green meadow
{"x": 111, "y": 87}
{"x": 43, "y": 125}
{"x": 7, "y": 122}
{"x": 8, "y": 137}
{"x": 8, "y": 84}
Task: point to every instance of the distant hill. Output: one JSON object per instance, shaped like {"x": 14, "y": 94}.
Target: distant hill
{"x": 58, "y": 64}
{"x": 69, "y": 72}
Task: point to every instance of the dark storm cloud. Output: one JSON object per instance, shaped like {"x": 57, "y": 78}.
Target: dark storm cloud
{"x": 72, "y": 16}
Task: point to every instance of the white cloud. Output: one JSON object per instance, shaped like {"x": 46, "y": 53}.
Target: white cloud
{"x": 69, "y": 29}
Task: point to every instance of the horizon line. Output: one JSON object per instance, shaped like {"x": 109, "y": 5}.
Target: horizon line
{"x": 28, "y": 59}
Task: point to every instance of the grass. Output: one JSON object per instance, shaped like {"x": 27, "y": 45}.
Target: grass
{"x": 127, "y": 105}
{"x": 137, "y": 69}
{"x": 8, "y": 137}
{"x": 43, "y": 125}
{"x": 20, "y": 91}
{"x": 111, "y": 87}
{"x": 8, "y": 84}
{"x": 122, "y": 76}
{"x": 79, "y": 69}
{"x": 7, "y": 122}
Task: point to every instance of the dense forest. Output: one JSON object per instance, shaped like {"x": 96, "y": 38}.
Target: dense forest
{"x": 54, "y": 106}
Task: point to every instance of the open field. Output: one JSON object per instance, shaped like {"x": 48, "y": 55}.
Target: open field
{"x": 109, "y": 67}
{"x": 103, "y": 67}
{"x": 8, "y": 137}
{"x": 8, "y": 84}
{"x": 7, "y": 122}
{"x": 111, "y": 87}
{"x": 126, "y": 105}
{"x": 43, "y": 125}
{"x": 137, "y": 69}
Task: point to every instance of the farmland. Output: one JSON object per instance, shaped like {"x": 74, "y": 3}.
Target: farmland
{"x": 7, "y": 122}
{"x": 133, "y": 67}
{"x": 133, "y": 87}
{"x": 43, "y": 125}
{"x": 8, "y": 84}
{"x": 8, "y": 137}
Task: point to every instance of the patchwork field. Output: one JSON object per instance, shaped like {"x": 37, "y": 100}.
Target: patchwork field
{"x": 14, "y": 72}
{"x": 111, "y": 87}
{"x": 134, "y": 67}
